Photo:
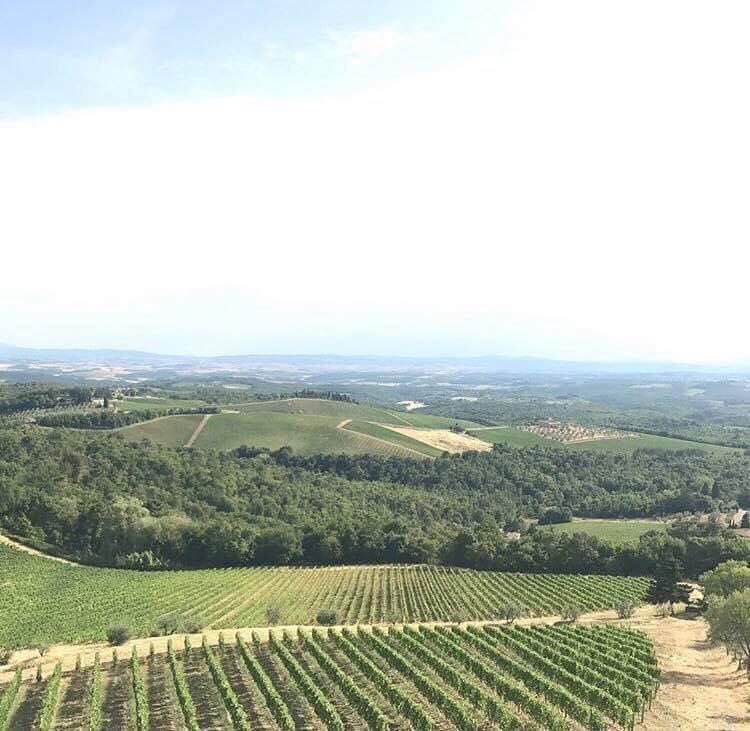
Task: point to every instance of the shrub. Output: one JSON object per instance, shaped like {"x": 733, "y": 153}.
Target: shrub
{"x": 118, "y": 635}
{"x": 511, "y": 611}
{"x": 571, "y": 612}
{"x": 169, "y": 624}
{"x": 273, "y": 615}
{"x": 4, "y": 656}
{"x": 625, "y": 609}
{"x": 327, "y": 616}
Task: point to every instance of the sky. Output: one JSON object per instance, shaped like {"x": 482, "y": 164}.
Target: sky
{"x": 564, "y": 180}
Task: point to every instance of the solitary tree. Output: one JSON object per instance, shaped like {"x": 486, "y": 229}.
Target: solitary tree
{"x": 666, "y": 576}
{"x": 729, "y": 625}
{"x": 510, "y": 611}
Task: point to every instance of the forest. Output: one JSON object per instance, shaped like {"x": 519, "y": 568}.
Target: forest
{"x": 103, "y": 500}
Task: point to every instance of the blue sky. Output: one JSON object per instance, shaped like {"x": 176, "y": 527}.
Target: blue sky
{"x": 65, "y": 55}
{"x": 440, "y": 178}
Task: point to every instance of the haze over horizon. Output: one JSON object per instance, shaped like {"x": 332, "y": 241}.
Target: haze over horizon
{"x": 529, "y": 179}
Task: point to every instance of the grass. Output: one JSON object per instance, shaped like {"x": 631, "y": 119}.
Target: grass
{"x": 616, "y": 531}
{"x": 381, "y": 432}
{"x": 171, "y": 431}
{"x": 46, "y": 602}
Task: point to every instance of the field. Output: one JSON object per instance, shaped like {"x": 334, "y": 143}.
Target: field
{"x": 305, "y": 434}
{"x": 315, "y": 425}
{"x": 318, "y": 425}
{"x": 628, "y": 445}
{"x": 45, "y": 602}
{"x": 382, "y": 432}
{"x": 616, "y": 531}
{"x": 511, "y": 436}
{"x": 171, "y": 431}
{"x": 421, "y": 678}
{"x": 134, "y": 403}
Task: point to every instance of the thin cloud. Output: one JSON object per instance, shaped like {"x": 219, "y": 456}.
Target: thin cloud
{"x": 360, "y": 46}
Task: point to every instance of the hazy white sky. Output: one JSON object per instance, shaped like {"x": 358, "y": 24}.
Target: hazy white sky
{"x": 572, "y": 182}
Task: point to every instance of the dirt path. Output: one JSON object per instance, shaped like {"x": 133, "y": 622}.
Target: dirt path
{"x": 701, "y": 689}
{"x": 33, "y": 551}
{"x": 198, "y": 430}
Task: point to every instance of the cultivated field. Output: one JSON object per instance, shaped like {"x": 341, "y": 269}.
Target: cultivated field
{"x": 616, "y": 531}
{"x": 420, "y": 678}
{"x": 567, "y": 433}
{"x": 444, "y": 440}
{"x": 511, "y": 436}
{"x": 171, "y": 431}
{"x": 321, "y": 426}
{"x": 44, "y": 602}
{"x": 387, "y": 434}
{"x": 628, "y": 445}
{"x": 136, "y": 403}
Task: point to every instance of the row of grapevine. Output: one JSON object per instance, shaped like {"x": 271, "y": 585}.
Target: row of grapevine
{"x": 139, "y": 692}
{"x": 272, "y": 697}
{"x": 228, "y": 696}
{"x": 551, "y": 691}
{"x": 183, "y": 692}
{"x": 96, "y": 697}
{"x": 366, "y": 707}
{"x": 434, "y": 693}
{"x": 533, "y": 705}
{"x": 579, "y": 683}
{"x": 87, "y": 600}
{"x": 449, "y": 677}
{"x": 51, "y": 696}
{"x": 323, "y": 707}
{"x": 8, "y": 699}
{"x": 403, "y": 703}
{"x": 467, "y": 688}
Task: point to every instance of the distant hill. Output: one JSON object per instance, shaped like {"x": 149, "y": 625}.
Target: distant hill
{"x": 335, "y": 362}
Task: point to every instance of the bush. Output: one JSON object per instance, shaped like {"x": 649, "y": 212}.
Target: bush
{"x": 273, "y": 615}
{"x": 118, "y": 635}
{"x": 511, "y": 611}
{"x": 625, "y": 609}
{"x": 571, "y": 612}
{"x": 327, "y": 616}
{"x": 173, "y": 622}
{"x": 4, "y": 656}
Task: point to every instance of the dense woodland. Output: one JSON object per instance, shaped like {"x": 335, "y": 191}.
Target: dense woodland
{"x": 590, "y": 483}
{"x": 27, "y": 396}
{"x": 105, "y": 500}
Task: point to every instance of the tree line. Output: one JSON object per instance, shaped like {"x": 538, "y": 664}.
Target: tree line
{"x": 110, "y": 419}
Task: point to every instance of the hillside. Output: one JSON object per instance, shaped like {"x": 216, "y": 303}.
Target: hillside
{"x": 312, "y": 426}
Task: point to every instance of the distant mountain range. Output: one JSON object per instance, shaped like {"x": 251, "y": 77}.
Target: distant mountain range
{"x": 11, "y": 354}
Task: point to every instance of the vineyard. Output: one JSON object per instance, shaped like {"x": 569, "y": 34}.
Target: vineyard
{"x": 44, "y": 602}
{"x": 442, "y": 677}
